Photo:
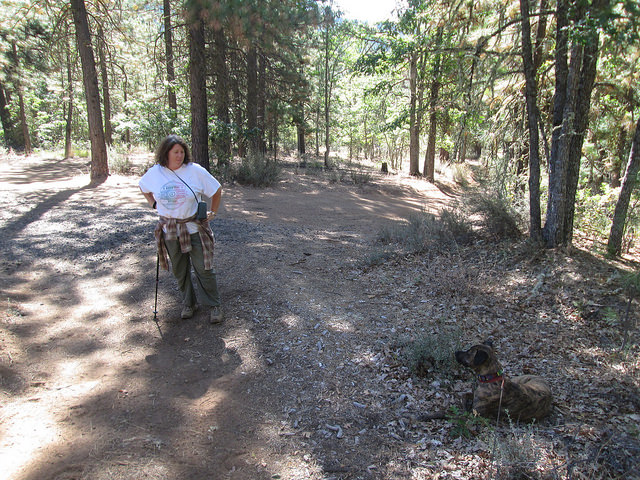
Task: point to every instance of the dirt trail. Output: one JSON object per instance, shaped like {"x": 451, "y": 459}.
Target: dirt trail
{"x": 90, "y": 390}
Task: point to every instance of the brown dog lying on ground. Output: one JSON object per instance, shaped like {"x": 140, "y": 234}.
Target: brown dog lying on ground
{"x": 524, "y": 398}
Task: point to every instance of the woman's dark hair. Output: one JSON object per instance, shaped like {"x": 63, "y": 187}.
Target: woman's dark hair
{"x": 162, "y": 154}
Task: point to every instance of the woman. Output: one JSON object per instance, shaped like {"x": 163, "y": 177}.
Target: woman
{"x": 175, "y": 186}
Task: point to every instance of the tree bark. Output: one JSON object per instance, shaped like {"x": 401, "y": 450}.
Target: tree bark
{"x": 68, "y": 105}
{"x": 223, "y": 137}
{"x": 198, "y": 91}
{"x": 414, "y": 141}
{"x": 300, "y": 130}
{"x": 24, "y": 128}
{"x": 106, "y": 96}
{"x": 629, "y": 181}
{"x": 238, "y": 117}
{"x": 252, "y": 99}
{"x": 430, "y": 154}
{"x": 618, "y": 157}
{"x": 7, "y": 122}
{"x": 168, "y": 47}
{"x": 583, "y": 107}
{"x": 99, "y": 160}
{"x": 327, "y": 93}
{"x": 531, "y": 95}
{"x": 262, "y": 102}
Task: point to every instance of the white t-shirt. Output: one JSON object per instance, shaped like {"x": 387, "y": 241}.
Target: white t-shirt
{"x": 173, "y": 197}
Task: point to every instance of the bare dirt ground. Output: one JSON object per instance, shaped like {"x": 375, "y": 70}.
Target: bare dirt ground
{"x": 307, "y": 378}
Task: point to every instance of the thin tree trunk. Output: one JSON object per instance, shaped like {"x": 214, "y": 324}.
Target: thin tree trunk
{"x": 106, "y": 96}
{"x": 262, "y": 102}
{"x": 327, "y": 96}
{"x": 7, "y": 122}
{"x": 317, "y": 129}
{"x": 24, "y": 128}
{"x": 531, "y": 95}
{"x": 583, "y": 107}
{"x": 614, "y": 245}
{"x": 238, "y": 117}
{"x": 68, "y": 105}
{"x": 99, "y": 160}
{"x": 223, "y": 138}
{"x": 300, "y": 129}
{"x": 556, "y": 175}
{"x": 198, "y": 92}
{"x": 618, "y": 157}
{"x": 168, "y": 46}
{"x": 252, "y": 99}
{"x": 414, "y": 141}
{"x": 430, "y": 154}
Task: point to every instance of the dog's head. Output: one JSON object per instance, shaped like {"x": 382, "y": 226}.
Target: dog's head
{"x": 480, "y": 358}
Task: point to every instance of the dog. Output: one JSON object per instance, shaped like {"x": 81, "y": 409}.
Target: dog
{"x": 523, "y": 398}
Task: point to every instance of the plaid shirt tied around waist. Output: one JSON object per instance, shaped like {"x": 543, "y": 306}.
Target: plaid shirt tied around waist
{"x": 177, "y": 230}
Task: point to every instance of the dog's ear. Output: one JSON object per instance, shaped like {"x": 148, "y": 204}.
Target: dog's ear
{"x": 488, "y": 342}
{"x": 480, "y": 357}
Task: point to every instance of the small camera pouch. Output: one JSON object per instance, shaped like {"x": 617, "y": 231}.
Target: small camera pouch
{"x": 202, "y": 211}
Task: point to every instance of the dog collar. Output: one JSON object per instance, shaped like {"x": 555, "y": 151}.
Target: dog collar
{"x": 491, "y": 378}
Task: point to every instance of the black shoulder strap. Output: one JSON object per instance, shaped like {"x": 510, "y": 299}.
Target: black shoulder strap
{"x": 194, "y": 193}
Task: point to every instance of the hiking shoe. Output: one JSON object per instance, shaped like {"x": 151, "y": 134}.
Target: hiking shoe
{"x": 215, "y": 316}
{"x": 187, "y": 312}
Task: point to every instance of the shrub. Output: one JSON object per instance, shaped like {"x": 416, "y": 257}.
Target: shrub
{"x": 461, "y": 174}
{"x": 496, "y": 217}
{"x": 360, "y": 177}
{"x": 434, "y": 353}
{"x": 516, "y": 453}
{"x": 427, "y": 232}
{"x": 465, "y": 424}
{"x": 119, "y": 162}
{"x": 258, "y": 171}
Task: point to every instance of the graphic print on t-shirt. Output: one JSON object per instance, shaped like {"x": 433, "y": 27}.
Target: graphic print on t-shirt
{"x": 173, "y": 194}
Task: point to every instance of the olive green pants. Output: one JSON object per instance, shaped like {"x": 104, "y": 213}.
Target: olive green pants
{"x": 181, "y": 264}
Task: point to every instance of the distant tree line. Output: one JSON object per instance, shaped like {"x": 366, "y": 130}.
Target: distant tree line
{"x": 545, "y": 93}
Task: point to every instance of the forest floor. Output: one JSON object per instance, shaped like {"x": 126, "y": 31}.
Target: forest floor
{"x": 309, "y": 376}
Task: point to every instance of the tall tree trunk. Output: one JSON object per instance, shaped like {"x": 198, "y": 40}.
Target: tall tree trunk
{"x": 614, "y": 245}
{"x": 106, "y": 96}
{"x": 99, "y": 160}
{"x": 7, "y": 122}
{"x": 168, "y": 47}
{"x": 68, "y": 105}
{"x": 317, "y": 130}
{"x": 583, "y": 106}
{"x": 327, "y": 95}
{"x": 262, "y": 102}
{"x": 238, "y": 115}
{"x": 24, "y": 128}
{"x": 198, "y": 91}
{"x": 300, "y": 130}
{"x": 414, "y": 141}
{"x": 556, "y": 175}
{"x": 430, "y": 154}
{"x": 541, "y": 33}
{"x": 570, "y": 120}
{"x": 616, "y": 167}
{"x": 555, "y": 228}
{"x": 531, "y": 95}
{"x": 223, "y": 137}
{"x": 252, "y": 100}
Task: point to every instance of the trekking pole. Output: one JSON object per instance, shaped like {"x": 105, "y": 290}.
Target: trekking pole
{"x": 155, "y": 306}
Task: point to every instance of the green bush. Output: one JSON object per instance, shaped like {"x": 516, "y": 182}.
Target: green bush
{"x": 360, "y": 177}
{"x": 516, "y": 452}
{"x": 258, "y": 171}
{"x": 426, "y": 232}
{"x": 434, "y": 353}
{"x": 495, "y": 217}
